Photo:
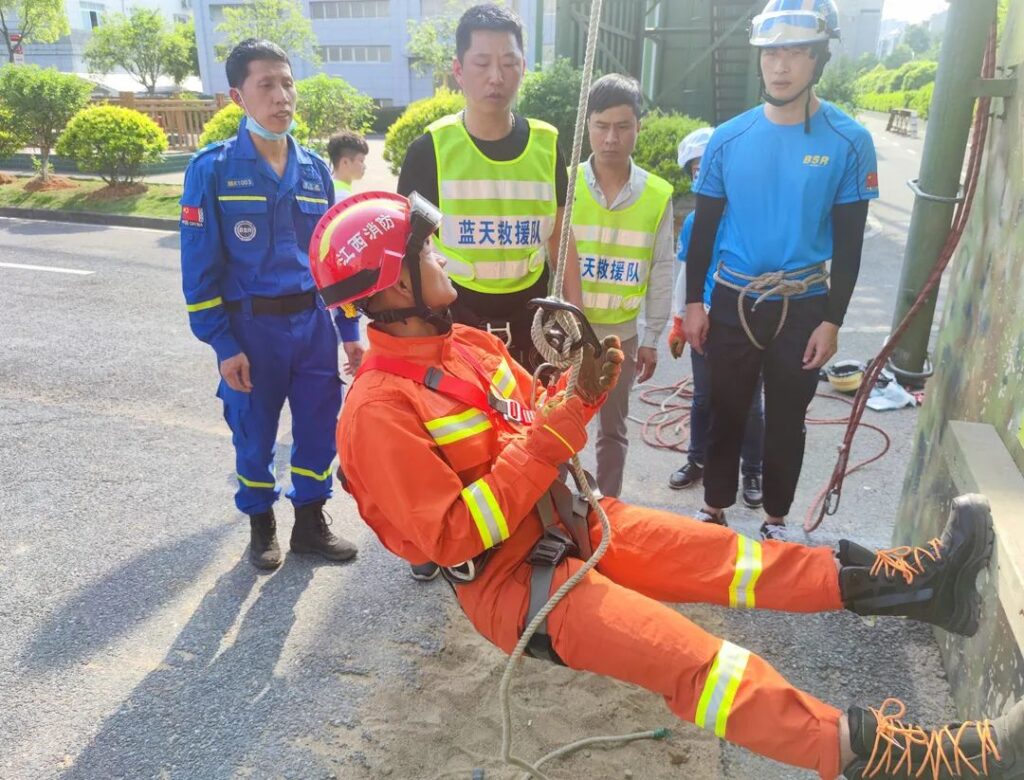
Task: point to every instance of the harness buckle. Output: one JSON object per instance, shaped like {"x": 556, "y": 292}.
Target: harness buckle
{"x": 504, "y": 332}
{"x": 511, "y": 409}
{"x": 433, "y": 378}
{"x": 552, "y": 548}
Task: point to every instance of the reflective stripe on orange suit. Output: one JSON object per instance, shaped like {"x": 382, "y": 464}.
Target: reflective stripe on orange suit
{"x": 410, "y": 490}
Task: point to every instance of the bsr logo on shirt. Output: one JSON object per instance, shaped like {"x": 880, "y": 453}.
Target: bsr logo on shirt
{"x": 816, "y": 160}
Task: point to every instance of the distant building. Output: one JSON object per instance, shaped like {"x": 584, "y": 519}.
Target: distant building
{"x": 84, "y": 16}
{"x": 889, "y": 36}
{"x": 362, "y": 41}
{"x": 860, "y": 22}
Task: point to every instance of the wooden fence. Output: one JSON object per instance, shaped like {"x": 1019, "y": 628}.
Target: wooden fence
{"x": 182, "y": 120}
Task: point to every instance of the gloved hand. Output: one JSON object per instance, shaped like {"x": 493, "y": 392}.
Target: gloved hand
{"x": 559, "y": 430}
{"x": 598, "y": 375}
{"x": 677, "y": 338}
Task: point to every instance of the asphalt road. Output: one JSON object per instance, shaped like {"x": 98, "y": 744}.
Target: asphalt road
{"x": 135, "y": 639}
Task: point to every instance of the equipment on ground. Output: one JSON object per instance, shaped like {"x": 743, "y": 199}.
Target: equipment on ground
{"x": 846, "y": 375}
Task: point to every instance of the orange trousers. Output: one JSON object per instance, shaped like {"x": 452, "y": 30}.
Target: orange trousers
{"x": 613, "y": 623}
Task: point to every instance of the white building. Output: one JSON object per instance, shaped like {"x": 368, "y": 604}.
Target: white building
{"x": 86, "y": 15}
{"x": 860, "y": 22}
{"x": 362, "y": 41}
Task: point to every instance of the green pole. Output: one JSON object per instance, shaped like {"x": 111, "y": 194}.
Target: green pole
{"x": 949, "y": 124}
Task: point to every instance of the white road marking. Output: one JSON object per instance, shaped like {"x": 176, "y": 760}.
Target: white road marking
{"x": 49, "y": 268}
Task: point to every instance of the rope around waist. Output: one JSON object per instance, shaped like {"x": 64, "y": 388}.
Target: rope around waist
{"x": 786, "y": 284}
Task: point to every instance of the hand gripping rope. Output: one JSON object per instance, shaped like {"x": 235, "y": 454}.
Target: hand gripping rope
{"x": 559, "y": 332}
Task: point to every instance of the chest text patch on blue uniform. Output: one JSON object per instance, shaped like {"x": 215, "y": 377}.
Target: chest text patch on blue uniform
{"x": 235, "y": 183}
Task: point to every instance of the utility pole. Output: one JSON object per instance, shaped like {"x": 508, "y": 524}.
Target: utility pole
{"x": 938, "y": 188}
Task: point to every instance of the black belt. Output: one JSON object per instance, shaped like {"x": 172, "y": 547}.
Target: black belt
{"x": 286, "y": 304}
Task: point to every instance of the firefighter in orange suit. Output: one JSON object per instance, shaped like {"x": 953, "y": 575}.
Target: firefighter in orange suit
{"x": 447, "y": 464}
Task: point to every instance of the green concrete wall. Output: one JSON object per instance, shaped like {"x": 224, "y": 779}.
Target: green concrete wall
{"x": 979, "y": 377}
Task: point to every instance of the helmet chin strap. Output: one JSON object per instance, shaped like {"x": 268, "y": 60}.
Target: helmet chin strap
{"x": 439, "y": 319}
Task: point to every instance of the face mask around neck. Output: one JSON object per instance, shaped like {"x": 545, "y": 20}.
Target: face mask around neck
{"x": 255, "y": 127}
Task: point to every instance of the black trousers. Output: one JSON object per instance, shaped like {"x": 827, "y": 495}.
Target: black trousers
{"x": 735, "y": 365}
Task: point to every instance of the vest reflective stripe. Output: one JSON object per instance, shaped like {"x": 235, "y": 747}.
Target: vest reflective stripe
{"x": 448, "y": 430}
{"x": 254, "y": 484}
{"x": 490, "y": 522}
{"x": 498, "y": 215}
{"x": 720, "y": 688}
{"x": 748, "y": 571}
{"x": 491, "y": 189}
{"x": 616, "y": 248}
{"x": 203, "y": 305}
{"x": 627, "y": 304}
{"x": 504, "y": 381}
{"x": 312, "y": 474}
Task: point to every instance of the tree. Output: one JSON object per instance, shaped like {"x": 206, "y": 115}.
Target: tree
{"x": 901, "y": 55}
{"x": 112, "y": 141}
{"x": 184, "y": 61}
{"x": 553, "y": 94}
{"x": 917, "y": 37}
{"x": 431, "y": 44}
{"x": 330, "y": 104}
{"x": 866, "y": 62}
{"x": 837, "y": 84}
{"x": 37, "y": 21}
{"x": 41, "y": 102}
{"x": 143, "y": 44}
{"x": 280, "y": 21}
{"x": 11, "y": 138}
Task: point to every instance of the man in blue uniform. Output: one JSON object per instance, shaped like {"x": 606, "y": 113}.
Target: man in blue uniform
{"x": 797, "y": 175}
{"x": 249, "y": 208}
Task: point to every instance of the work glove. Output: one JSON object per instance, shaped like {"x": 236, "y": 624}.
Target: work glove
{"x": 676, "y": 338}
{"x": 598, "y": 375}
{"x": 559, "y": 431}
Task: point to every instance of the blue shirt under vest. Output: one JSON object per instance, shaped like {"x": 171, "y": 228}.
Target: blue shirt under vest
{"x": 781, "y": 185}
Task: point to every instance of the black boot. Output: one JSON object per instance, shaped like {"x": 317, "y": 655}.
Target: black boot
{"x": 311, "y": 534}
{"x": 934, "y": 584}
{"x": 887, "y": 748}
{"x": 685, "y": 476}
{"x": 264, "y": 551}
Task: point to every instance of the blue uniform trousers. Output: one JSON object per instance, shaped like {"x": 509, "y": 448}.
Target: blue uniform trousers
{"x": 294, "y": 358}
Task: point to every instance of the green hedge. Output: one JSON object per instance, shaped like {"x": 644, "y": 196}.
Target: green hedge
{"x": 657, "y": 146}
{"x": 113, "y": 142}
{"x": 413, "y": 123}
{"x": 919, "y": 100}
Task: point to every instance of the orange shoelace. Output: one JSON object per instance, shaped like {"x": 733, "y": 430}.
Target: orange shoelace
{"x": 906, "y": 561}
{"x": 939, "y": 749}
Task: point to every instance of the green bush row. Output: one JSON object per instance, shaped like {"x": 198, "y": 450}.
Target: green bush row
{"x": 919, "y": 100}
{"x": 910, "y": 76}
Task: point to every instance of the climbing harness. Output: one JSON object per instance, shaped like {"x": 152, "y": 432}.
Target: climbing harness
{"x": 786, "y": 284}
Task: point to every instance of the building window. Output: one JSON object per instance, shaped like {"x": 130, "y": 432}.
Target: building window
{"x": 355, "y": 53}
{"x": 181, "y": 18}
{"x": 216, "y": 13}
{"x": 349, "y": 9}
{"x": 92, "y": 13}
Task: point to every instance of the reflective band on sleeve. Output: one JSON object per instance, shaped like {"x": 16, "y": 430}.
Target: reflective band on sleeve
{"x": 448, "y": 430}
{"x": 252, "y": 484}
{"x": 204, "y": 304}
{"x": 496, "y": 189}
{"x": 720, "y": 688}
{"x": 490, "y": 522}
{"x": 242, "y": 197}
{"x": 504, "y": 381}
{"x": 311, "y": 200}
{"x": 312, "y": 474}
{"x": 748, "y": 569}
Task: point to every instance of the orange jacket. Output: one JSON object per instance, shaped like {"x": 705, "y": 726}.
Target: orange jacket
{"x": 442, "y": 481}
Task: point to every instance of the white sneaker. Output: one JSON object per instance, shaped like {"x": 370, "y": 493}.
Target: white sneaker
{"x": 774, "y": 533}
{"x": 706, "y": 517}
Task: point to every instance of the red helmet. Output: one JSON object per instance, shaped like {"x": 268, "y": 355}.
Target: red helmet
{"x": 358, "y": 246}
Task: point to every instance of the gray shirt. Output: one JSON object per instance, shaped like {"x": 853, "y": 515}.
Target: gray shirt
{"x": 658, "y": 302}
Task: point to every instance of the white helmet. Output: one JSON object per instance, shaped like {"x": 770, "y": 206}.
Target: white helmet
{"x": 693, "y": 146}
{"x": 795, "y": 23}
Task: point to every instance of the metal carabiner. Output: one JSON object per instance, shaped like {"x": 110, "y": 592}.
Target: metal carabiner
{"x": 550, "y": 306}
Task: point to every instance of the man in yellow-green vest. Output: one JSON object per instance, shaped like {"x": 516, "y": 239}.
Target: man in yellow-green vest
{"x": 622, "y": 220}
{"x": 499, "y": 180}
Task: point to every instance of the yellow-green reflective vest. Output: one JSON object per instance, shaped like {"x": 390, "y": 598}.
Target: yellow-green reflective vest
{"x": 616, "y": 249}
{"x": 498, "y": 216}
{"x": 341, "y": 190}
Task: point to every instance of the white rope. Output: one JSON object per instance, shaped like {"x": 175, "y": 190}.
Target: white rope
{"x": 572, "y": 358}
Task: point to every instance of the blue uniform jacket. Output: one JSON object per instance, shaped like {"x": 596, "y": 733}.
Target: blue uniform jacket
{"x": 245, "y": 232}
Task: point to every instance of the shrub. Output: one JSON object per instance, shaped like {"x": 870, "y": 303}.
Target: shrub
{"x": 330, "y": 104}
{"x": 658, "y": 145}
{"x": 873, "y": 81}
{"x": 224, "y": 124}
{"x": 113, "y": 142}
{"x": 11, "y": 138}
{"x": 919, "y": 74}
{"x": 41, "y": 103}
{"x": 919, "y": 100}
{"x": 413, "y": 123}
{"x": 553, "y": 94}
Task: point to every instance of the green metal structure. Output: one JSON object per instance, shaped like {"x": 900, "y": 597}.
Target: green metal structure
{"x": 690, "y": 55}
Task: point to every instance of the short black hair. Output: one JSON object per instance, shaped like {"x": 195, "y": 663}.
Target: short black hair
{"x": 249, "y": 50}
{"x": 615, "y": 90}
{"x": 486, "y": 16}
{"x": 345, "y": 144}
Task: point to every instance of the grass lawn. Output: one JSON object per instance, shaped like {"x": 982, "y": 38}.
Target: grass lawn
{"x": 159, "y": 200}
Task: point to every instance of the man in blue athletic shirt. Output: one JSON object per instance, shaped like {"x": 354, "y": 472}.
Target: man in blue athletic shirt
{"x": 797, "y": 175}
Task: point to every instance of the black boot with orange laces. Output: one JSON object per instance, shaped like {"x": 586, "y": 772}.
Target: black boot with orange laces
{"x": 933, "y": 584}
{"x": 887, "y": 748}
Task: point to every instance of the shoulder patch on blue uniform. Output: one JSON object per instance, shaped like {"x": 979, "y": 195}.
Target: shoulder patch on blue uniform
{"x": 208, "y": 148}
